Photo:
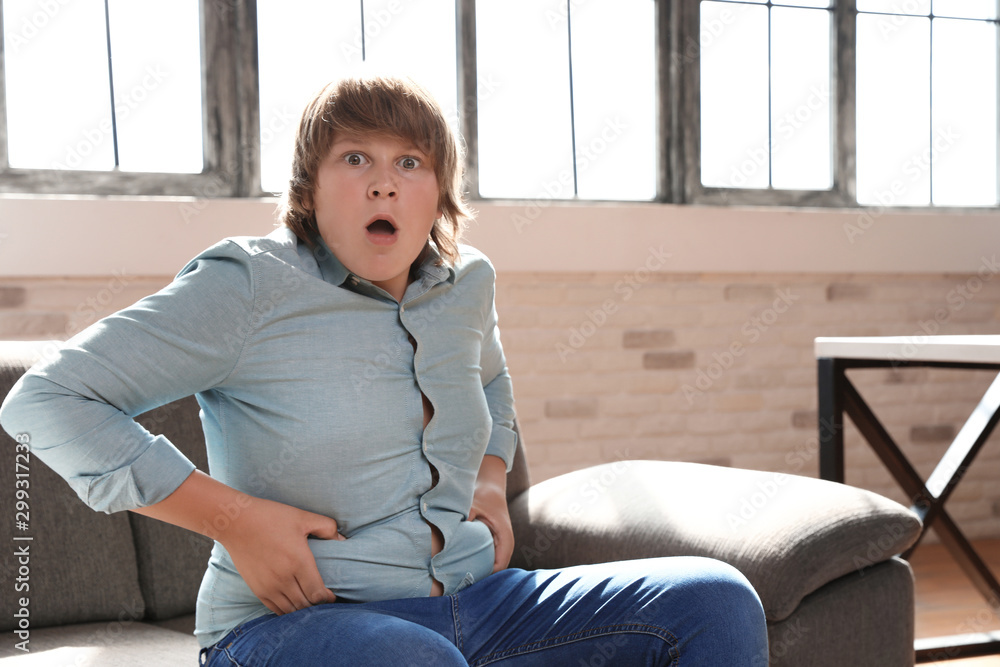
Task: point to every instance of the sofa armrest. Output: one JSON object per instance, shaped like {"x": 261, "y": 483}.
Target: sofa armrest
{"x": 788, "y": 534}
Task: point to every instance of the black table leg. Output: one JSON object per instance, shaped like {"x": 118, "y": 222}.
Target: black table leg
{"x": 830, "y": 382}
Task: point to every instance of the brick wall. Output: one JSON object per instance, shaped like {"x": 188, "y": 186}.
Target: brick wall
{"x": 710, "y": 368}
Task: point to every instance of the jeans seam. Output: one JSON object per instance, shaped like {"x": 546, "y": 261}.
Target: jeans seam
{"x": 603, "y": 631}
{"x": 456, "y": 620}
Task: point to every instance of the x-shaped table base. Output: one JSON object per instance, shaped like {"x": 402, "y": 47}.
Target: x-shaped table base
{"x": 837, "y": 395}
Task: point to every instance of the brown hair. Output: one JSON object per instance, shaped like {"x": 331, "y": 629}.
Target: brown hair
{"x": 386, "y": 106}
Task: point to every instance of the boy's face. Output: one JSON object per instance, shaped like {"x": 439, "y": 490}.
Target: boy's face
{"x": 376, "y": 199}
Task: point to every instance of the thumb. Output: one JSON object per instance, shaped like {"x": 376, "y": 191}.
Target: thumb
{"x": 323, "y": 527}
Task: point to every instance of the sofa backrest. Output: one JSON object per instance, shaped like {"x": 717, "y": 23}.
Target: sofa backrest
{"x": 70, "y": 563}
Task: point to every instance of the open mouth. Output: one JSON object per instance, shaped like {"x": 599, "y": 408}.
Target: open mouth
{"x": 381, "y": 227}
{"x": 381, "y": 232}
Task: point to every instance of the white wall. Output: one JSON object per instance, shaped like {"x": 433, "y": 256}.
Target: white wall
{"x": 95, "y": 236}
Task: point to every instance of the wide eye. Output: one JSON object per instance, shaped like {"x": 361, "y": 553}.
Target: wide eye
{"x": 409, "y": 163}
{"x": 354, "y": 159}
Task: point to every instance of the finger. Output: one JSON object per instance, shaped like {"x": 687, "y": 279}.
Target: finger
{"x": 280, "y": 604}
{"x": 312, "y": 587}
{"x": 324, "y": 528}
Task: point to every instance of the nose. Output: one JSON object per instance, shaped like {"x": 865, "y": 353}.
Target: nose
{"x": 382, "y": 186}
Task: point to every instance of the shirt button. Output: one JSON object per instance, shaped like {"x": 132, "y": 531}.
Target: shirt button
{"x": 402, "y": 309}
{"x": 425, "y": 507}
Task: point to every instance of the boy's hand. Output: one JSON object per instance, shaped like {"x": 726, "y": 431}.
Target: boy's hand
{"x": 489, "y": 505}
{"x": 267, "y": 540}
{"x": 268, "y": 544}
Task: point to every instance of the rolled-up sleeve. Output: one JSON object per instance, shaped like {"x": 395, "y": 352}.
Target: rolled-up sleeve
{"x": 77, "y": 408}
{"x": 497, "y": 386}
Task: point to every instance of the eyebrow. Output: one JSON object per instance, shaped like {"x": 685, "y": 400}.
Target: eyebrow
{"x": 363, "y": 142}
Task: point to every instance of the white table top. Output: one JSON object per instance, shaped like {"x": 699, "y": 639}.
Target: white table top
{"x": 963, "y": 349}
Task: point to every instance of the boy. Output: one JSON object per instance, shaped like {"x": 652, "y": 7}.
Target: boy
{"x": 357, "y": 346}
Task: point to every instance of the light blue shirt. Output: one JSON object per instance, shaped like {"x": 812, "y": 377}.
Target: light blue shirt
{"x": 310, "y": 395}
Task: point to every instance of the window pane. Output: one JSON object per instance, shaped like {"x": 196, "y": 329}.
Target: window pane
{"x": 58, "y": 97}
{"x": 964, "y": 146}
{"x": 156, "y": 51}
{"x": 525, "y": 142}
{"x": 970, "y": 9}
{"x": 415, "y": 38}
{"x": 297, "y": 58}
{"x": 911, "y": 7}
{"x": 734, "y": 96}
{"x": 893, "y": 110}
{"x": 802, "y": 136}
{"x": 614, "y": 97}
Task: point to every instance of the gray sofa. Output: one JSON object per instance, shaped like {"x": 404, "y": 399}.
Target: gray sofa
{"x": 120, "y": 589}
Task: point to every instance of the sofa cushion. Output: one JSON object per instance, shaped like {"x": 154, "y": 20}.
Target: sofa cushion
{"x": 79, "y": 565}
{"x": 112, "y": 644}
{"x": 788, "y": 534}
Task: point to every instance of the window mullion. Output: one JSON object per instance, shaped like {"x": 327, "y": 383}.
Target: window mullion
{"x": 845, "y": 118}
{"x": 670, "y": 64}
{"x": 690, "y": 78}
{"x": 3, "y": 100}
{"x": 221, "y": 112}
{"x": 468, "y": 85}
{"x": 247, "y": 139}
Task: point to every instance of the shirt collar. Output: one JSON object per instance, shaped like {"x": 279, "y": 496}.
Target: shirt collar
{"x": 335, "y": 273}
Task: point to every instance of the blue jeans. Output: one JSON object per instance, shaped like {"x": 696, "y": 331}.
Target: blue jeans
{"x": 660, "y": 611}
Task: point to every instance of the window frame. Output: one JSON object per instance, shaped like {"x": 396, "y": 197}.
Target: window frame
{"x": 231, "y": 124}
{"x": 843, "y": 192}
{"x": 231, "y": 161}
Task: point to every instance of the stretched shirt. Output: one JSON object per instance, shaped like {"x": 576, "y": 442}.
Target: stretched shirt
{"x": 310, "y": 395}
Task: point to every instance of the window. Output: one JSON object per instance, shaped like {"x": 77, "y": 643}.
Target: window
{"x": 129, "y": 98}
{"x": 569, "y": 108}
{"x": 106, "y": 97}
{"x": 416, "y": 37}
{"x": 899, "y": 110}
{"x": 773, "y": 102}
{"x": 927, "y": 103}
{"x": 765, "y": 96}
